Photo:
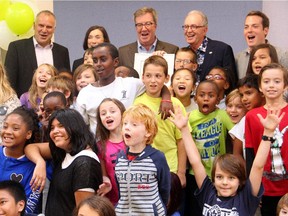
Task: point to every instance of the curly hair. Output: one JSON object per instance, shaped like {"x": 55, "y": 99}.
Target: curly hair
{"x": 30, "y": 118}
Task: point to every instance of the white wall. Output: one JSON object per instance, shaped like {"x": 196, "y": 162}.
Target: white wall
{"x": 226, "y": 21}
{"x": 277, "y": 11}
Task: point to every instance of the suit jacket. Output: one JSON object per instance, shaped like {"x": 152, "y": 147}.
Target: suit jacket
{"x": 21, "y": 62}
{"x": 219, "y": 54}
{"x": 77, "y": 63}
{"x": 127, "y": 52}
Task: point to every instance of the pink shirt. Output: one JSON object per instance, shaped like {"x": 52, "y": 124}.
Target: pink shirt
{"x": 112, "y": 150}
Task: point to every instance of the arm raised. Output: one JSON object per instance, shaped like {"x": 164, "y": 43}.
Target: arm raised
{"x": 191, "y": 150}
{"x": 269, "y": 123}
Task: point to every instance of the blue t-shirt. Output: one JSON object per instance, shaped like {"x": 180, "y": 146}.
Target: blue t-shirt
{"x": 242, "y": 204}
{"x": 20, "y": 170}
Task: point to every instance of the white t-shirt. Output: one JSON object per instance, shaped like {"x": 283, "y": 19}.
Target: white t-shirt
{"x": 238, "y": 132}
{"x": 123, "y": 89}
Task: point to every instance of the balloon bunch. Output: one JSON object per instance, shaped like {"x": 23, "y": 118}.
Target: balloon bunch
{"x": 16, "y": 20}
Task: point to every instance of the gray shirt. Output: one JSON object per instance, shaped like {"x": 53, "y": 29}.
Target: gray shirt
{"x": 242, "y": 59}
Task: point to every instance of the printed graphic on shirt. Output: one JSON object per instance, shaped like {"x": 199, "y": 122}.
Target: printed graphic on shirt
{"x": 278, "y": 169}
{"x": 216, "y": 210}
{"x": 33, "y": 196}
{"x": 207, "y": 138}
{"x": 16, "y": 177}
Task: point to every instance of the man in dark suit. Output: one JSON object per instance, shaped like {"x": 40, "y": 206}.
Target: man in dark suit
{"x": 146, "y": 24}
{"x": 210, "y": 53}
{"x": 24, "y": 56}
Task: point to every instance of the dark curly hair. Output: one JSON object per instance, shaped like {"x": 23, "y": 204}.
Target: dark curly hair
{"x": 30, "y": 118}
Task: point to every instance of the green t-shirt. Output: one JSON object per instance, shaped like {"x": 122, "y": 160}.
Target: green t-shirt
{"x": 209, "y": 133}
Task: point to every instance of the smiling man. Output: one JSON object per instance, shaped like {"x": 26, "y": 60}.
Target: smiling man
{"x": 256, "y": 29}
{"x": 147, "y": 42}
{"x": 24, "y": 56}
{"x": 210, "y": 53}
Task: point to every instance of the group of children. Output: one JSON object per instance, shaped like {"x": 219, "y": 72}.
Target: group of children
{"x": 141, "y": 154}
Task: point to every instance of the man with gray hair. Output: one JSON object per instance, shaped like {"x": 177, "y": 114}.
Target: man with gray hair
{"x": 210, "y": 53}
{"x": 145, "y": 20}
{"x": 24, "y": 56}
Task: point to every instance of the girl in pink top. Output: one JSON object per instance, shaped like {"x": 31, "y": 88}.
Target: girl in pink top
{"x": 110, "y": 143}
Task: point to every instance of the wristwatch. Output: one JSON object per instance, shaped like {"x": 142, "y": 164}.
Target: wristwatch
{"x": 267, "y": 138}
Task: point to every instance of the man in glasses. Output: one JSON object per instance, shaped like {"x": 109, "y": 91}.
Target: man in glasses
{"x": 145, "y": 24}
{"x": 210, "y": 53}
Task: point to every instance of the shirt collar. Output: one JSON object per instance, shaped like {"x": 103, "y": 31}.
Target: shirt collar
{"x": 151, "y": 49}
{"x": 247, "y": 51}
{"x": 203, "y": 46}
{"x": 38, "y": 45}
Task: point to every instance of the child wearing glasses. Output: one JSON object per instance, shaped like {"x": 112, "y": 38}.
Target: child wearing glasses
{"x": 221, "y": 77}
{"x": 210, "y": 127}
{"x": 185, "y": 57}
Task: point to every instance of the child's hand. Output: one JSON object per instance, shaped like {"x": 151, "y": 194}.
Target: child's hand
{"x": 159, "y": 53}
{"x": 272, "y": 119}
{"x": 105, "y": 187}
{"x": 182, "y": 178}
{"x": 178, "y": 118}
{"x": 39, "y": 177}
{"x": 45, "y": 121}
{"x": 165, "y": 108}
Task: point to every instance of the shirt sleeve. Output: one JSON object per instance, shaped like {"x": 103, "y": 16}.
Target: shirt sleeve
{"x": 164, "y": 177}
{"x": 87, "y": 173}
{"x": 81, "y": 107}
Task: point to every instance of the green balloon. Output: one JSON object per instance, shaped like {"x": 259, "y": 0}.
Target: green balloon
{"x": 4, "y": 4}
{"x": 19, "y": 18}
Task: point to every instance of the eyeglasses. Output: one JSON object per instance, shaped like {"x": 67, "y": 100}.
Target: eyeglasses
{"x": 214, "y": 77}
{"x": 3, "y": 110}
{"x": 185, "y": 61}
{"x": 193, "y": 27}
{"x": 146, "y": 24}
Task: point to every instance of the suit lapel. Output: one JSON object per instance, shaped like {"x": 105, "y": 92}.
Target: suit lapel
{"x": 133, "y": 48}
{"x": 159, "y": 46}
{"x": 208, "y": 58}
{"x": 131, "y": 53}
{"x": 31, "y": 53}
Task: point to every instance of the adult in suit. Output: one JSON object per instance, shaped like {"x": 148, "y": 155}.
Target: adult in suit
{"x": 24, "y": 56}
{"x": 256, "y": 29}
{"x": 94, "y": 36}
{"x": 146, "y": 24}
{"x": 210, "y": 53}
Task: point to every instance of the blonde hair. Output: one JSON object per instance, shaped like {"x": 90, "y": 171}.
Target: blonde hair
{"x": 232, "y": 95}
{"x": 144, "y": 114}
{"x": 283, "y": 202}
{"x": 158, "y": 61}
{"x": 33, "y": 90}
{"x": 64, "y": 84}
{"x": 6, "y": 90}
{"x": 80, "y": 69}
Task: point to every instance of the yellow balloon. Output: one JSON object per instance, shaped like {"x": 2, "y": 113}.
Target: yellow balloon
{"x": 4, "y": 4}
{"x": 19, "y": 18}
